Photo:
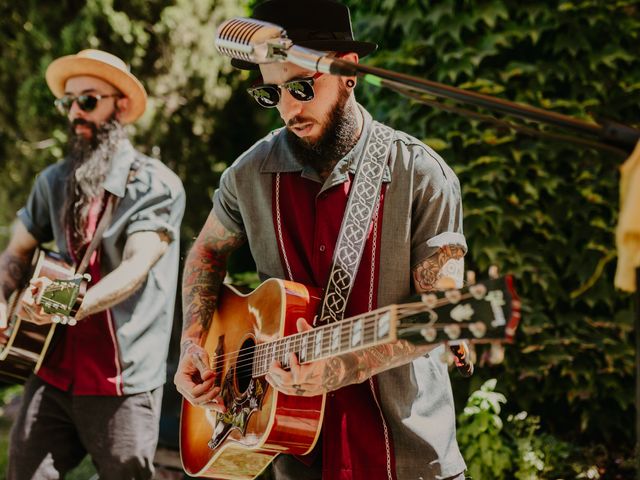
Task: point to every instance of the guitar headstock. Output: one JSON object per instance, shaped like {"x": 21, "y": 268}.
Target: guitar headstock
{"x": 58, "y": 297}
{"x": 488, "y": 311}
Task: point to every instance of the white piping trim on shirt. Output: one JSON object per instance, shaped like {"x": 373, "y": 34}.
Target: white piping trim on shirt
{"x": 116, "y": 356}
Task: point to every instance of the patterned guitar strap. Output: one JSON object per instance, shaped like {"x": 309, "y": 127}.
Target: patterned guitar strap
{"x": 361, "y": 206}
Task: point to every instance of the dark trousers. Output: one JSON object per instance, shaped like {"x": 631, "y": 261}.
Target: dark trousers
{"x": 55, "y": 430}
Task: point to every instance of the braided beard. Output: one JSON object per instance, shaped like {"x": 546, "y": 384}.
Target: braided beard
{"x": 90, "y": 160}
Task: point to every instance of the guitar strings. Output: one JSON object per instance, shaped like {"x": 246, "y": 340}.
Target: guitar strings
{"x": 282, "y": 346}
{"x": 403, "y": 310}
{"x": 374, "y": 315}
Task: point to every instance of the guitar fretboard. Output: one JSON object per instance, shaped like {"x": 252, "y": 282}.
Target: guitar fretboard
{"x": 363, "y": 331}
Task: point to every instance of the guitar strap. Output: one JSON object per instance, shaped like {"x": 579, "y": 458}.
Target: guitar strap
{"x": 362, "y": 204}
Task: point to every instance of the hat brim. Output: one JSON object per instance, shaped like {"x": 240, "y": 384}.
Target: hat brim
{"x": 361, "y": 48}
{"x": 63, "y": 68}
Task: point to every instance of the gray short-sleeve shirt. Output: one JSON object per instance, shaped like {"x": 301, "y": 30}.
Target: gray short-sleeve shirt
{"x": 422, "y": 212}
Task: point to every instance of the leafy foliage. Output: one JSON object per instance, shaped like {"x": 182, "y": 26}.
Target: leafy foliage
{"x": 482, "y": 446}
{"x": 544, "y": 209}
{"x": 540, "y": 208}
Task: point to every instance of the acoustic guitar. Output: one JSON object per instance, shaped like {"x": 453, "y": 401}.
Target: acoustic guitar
{"x": 23, "y": 344}
{"x": 249, "y": 331}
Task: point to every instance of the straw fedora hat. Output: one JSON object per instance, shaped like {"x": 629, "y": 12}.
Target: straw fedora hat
{"x": 102, "y": 65}
{"x": 317, "y": 24}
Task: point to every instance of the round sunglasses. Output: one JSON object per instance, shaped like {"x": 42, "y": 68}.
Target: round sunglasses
{"x": 87, "y": 102}
{"x": 268, "y": 95}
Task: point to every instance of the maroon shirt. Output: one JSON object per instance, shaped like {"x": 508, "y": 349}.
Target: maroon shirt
{"x": 356, "y": 443}
{"x": 85, "y": 358}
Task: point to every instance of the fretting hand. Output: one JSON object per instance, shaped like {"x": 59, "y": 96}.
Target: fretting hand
{"x": 302, "y": 380}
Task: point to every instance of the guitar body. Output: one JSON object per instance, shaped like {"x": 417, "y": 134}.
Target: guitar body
{"x": 23, "y": 344}
{"x": 260, "y": 423}
{"x": 249, "y": 332}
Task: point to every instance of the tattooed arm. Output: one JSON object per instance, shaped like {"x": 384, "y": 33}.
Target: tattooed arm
{"x": 204, "y": 272}
{"x": 14, "y": 266}
{"x": 445, "y": 266}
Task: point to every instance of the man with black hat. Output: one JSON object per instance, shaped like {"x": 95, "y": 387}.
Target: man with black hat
{"x": 389, "y": 410}
{"x": 99, "y": 389}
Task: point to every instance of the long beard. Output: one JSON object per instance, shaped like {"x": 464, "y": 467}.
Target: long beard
{"x": 337, "y": 139}
{"x": 90, "y": 162}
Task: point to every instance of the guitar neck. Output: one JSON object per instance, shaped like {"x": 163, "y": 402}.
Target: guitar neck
{"x": 486, "y": 312}
{"x": 356, "y": 333}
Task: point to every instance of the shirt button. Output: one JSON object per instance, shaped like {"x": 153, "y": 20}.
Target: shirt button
{"x": 322, "y": 248}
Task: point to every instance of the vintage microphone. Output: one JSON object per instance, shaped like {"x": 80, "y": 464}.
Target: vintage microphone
{"x": 258, "y": 42}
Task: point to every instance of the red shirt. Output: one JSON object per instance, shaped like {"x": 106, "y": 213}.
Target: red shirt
{"x": 355, "y": 441}
{"x": 84, "y": 359}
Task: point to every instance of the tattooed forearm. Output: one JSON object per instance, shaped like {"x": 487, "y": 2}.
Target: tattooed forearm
{"x": 204, "y": 272}
{"x": 359, "y": 366}
{"x": 448, "y": 261}
{"x": 13, "y": 272}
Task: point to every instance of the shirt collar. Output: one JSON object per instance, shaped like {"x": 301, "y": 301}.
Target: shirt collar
{"x": 116, "y": 180}
{"x": 281, "y": 159}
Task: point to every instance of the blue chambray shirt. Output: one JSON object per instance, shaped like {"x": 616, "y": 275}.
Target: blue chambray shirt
{"x": 154, "y": 200}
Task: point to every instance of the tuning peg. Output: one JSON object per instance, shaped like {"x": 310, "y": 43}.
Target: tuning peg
{"x": 471, "y": 277}
{"x": 493, "y": 272}
{"x": 454, "y": 296}
{"x": 478, "y": 291}
{"x": 478, "y": 329}
{"x": 429, "y": 299}
{"x": 429, "y": 334}
{"x": 453, "y": 331}
{"x": 496, "y": 353}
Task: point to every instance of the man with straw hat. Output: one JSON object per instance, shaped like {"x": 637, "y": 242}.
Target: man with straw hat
{"x": 99, "y": 389}
{"x": 389, "y": 412}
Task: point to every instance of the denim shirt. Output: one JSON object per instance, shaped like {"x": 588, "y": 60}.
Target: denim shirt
{"x": 153, "y": 200}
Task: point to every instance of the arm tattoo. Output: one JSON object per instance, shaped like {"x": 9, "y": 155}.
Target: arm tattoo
{"x": 359, "y": 366}
{"x": 448, "y": 261}
{"x": 13, "y": 272}
{"x": 204, "y": 272}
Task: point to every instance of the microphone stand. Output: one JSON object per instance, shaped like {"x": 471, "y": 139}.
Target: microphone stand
{"x": 612, "y": 136}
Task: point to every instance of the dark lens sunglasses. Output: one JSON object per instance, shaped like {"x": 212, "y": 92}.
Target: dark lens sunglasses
{"x": 87, "y": 103}
{"x": 268, "y": 95}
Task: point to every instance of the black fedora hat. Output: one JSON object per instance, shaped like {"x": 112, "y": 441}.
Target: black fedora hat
{"x": 317, "y": 24}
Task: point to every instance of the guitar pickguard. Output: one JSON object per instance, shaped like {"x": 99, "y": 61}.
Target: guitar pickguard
{"x": 239, "y": 409}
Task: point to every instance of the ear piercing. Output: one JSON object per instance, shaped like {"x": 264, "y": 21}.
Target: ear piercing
{"x": 350, "y": 83}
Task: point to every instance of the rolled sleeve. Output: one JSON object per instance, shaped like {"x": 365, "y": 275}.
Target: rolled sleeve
{"x": 225, "y": 203}
{"x": 159, "y": 209}
{"x": 437, "y": 208}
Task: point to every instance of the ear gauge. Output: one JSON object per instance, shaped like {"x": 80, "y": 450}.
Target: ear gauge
{"x": 351, "y": 83}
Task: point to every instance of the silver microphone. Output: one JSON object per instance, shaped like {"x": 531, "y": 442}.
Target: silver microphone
{"x": 252, "y": 40}
{"x": 258, "y": 42}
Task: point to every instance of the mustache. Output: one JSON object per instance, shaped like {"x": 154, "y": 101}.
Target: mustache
{"x": 298, "y": 120}
{"x": 81, "y": 121}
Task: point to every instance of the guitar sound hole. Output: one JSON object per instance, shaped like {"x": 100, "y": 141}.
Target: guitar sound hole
{"x": 244, "y": 367}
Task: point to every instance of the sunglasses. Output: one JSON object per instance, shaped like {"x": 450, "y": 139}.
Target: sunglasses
{"x": 87, "y": 103}
{"x": 268, "y": 95}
